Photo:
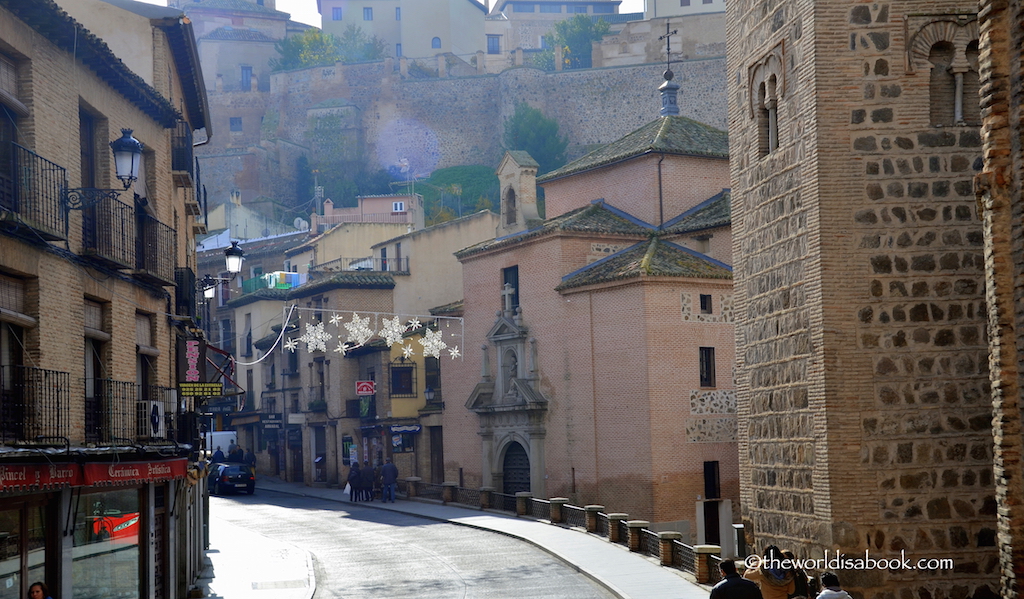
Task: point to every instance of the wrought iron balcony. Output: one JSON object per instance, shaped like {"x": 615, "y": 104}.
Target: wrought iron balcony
{"x": 30, "y": 192}
{"x": 185, "y": 292}
{"x": 108, "y": 233}
{"x": 181, "y": 155}
{"x": 369, "y": 263}
{"x": 116, "y": 411}
{"x": 155, "y": 251}
{"x": 34, "y": 403}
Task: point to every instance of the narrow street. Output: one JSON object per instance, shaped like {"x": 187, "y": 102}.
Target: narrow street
{"x": 363, "y": 552}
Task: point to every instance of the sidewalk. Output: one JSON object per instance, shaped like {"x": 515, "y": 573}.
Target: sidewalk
{"x": 628, "y": 575}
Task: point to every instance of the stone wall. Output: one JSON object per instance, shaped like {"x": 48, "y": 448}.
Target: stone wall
{"x": 864, "y": 421}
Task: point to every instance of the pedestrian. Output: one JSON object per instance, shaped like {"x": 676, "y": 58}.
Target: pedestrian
{"x": 250, "y": 458}
{"x": 772, "y": 575}
{"x": 38, "y": 590}
{"x": 231, "y": 447}
{"x": 237, "y": 455}
{"x": 800, "y": 578}
{"x": 366, "y": 476}
{"x": 832, "y": 590}
{"x": 354, "y": 481}
{"x": 733, "y": 586}
{"x": 218, "y": 456}
{"x": 389, "y": 481}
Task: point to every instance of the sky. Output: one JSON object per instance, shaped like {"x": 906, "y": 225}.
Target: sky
{"x": 304, "y": 11}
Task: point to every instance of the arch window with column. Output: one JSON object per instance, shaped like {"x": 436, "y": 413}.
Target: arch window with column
{"x": 946, "y": 49}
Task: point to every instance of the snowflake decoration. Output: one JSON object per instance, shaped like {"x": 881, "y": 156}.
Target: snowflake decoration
{"x": 407, "y": 352}
{"x": 392, "y": 331}
{"x": 454, "y": 351}
{"x": 432, "y": 344}
{"x": 359, "y": 331}
{"x": 316, "y": 337}
{"x": 291, "y": 344}
{"x": 414, "y": 324}
{"x": 342, "y": 348}
{"x": 336, "y": 318}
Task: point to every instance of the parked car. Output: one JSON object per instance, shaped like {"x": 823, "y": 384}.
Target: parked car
{"x": 231, "y": 477}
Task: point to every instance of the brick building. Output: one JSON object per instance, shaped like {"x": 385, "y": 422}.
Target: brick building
{"x": 999, "y": 187}
{"x": 606, "y": 375}
{"x": 862, "y": 374}
{"x": 97, "y": 293}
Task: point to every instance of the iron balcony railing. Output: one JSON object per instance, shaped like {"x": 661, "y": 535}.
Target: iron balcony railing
{"x": 154, "y": 251}
{"x": 116, "y": 411}
{"x": 34, "y": 404}
{"x": 185, "y": 295}
{"x": 108, "y": 233}
{"x": 181, "y": 154}
{"x": 367, "y": 263}
{"x": 30, "y": 191}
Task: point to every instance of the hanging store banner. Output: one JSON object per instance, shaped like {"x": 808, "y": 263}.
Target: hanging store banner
{"x": 192, "y": 370}
{"x": 127, "y": 473}
{"x": 17, "y": 477}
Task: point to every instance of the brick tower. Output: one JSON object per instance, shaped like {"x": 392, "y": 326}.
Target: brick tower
{"x": 862, "y": 379}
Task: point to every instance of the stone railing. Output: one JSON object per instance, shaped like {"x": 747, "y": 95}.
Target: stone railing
{"x": 699, "y": 560}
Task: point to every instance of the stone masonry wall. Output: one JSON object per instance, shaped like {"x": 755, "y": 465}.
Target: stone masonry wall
{"x": 863, "y": 392}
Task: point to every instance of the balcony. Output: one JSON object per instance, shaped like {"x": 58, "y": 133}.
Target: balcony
{"x": 368, "y": 263}
{"x": 182, "y": 159}
{"x": 155, "y": 252}
{"x": 323, "y": 223}
{"x": 30, "y": 192}
{"x": 119, "y": 411}
{"x": 34, "y": 403}
{"x": 185, "y": 294}
{"x": 108, "y": 233}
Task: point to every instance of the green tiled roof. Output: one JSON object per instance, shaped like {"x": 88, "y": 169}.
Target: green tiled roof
{"x": 710, "y": 214}
{"x": 454, "y": 308}
{"x": 654, "y": 258}
{"x": 666, "y": 135}
{"x": 345, "y": 279}
{"x": 522, "y": 158}
{"x": 259, "y": 295}
{"x": 595, "y": 218}
{"x": 238, "y": 34}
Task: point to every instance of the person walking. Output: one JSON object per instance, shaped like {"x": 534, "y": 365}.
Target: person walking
{"x": 832, "y": 589}
{"x": 772, "y": 576}
{"x": 354, "y": 481}
{"x": 734, "y": 586}
{"x": 389, "y": 481}
{"x": 366, "y": 476}
{"x": 218, "y": 456}
{"x": 250, "y": 459}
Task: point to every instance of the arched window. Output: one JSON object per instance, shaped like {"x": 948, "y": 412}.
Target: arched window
{"x": 435, "y": 43}
{"x": 972, "y": 87}
{"x": 510, "y": 207}
{"x": 942, "y": 86}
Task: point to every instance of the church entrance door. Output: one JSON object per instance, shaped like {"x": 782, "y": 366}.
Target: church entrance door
{"x": 516, "y": 469}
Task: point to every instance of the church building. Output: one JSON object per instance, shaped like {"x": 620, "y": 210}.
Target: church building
{"x": 599, "y": 341}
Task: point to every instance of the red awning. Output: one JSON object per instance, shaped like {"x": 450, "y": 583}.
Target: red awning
{"x": 129, "y": 473}
{"x": 28, "y": 477}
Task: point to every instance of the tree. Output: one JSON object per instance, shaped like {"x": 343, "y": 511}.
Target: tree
{"x": 312, "y": 48}
{"x": 531, "y": 131}
{"x": 576, "y": 37}
{"x": 355, "y": 46}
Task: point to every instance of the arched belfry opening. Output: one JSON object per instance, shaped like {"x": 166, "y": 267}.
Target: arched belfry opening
{"x": 508, "y": 207}
{"x": 517, "y": 176}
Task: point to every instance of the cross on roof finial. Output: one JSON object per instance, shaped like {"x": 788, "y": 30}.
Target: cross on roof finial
{"x": 668, "y": 50}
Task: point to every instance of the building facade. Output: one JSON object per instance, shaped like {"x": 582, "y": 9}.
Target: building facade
{"x": 862, "y": 374}
{"x": 97, "y": 292}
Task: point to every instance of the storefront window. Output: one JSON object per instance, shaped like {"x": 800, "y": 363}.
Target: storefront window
{"x": 106, "y": 556}
{"x": 22, "y": 529}
{"x": 10, "y": 554}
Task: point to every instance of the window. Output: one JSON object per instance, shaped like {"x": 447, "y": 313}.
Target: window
{"x": 704, "y": 244}
{"x": 509, "y": 207}
{"x": 367, "y": 13}
{"x": 336, "y": 13}
{"x": 398, "y": 49}
{"x": 398, "y": 206}
{"x": 707, "y": 366}
{"x": 551, "y": 8}
{"x": 580, "y": 9}
{"x": 522, "y": 7}
{"x": 494, "y": 44}
{"x": 708, "y": 1}
{"x": 398, "y": 258}
{"x": 402, "y": 442}
{"x": 767, "y": 117}
{"x": 384, "y": 259}
{"x": 403, "y": 379}
{"x": 398, "y": 13}
{"x": 435, "y": 43}
{"x": 247, "y": 348}
{"x": 246, "y": 83}
{"x": 510, "y": 277}
{"x": 432, "y": 376}
{"x": 236, "y": 123}
{"x": 705, "y": 304}
{"x": 603, "y": 9}
{"x": 712, "y": 481}
{"x": 684, "y": 2}
{"x": 112, "y": 518}
{"x": 346, "y": 449}
{"x": 87, "y": 141}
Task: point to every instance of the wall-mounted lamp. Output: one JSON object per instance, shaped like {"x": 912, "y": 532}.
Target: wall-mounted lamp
{"x": 429, "y": 394}
{"x": 127, "y": 157}
{"x": 233, "y": 257}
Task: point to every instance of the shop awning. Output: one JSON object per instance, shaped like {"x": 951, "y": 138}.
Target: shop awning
{"x": 26, "y": 477}
{"x": 406, "y": 428}
{"x": 131, "y": 473}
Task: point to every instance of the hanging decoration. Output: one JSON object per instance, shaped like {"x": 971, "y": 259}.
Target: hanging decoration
{"x": 392, "y": 331}
{"x": 408, "y": 351}
{"x": 316, "y": 337}
{"x": 359, "y": 331}
{"x": 432, "y": 343}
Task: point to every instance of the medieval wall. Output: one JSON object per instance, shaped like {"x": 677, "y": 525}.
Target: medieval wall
{"x": 863, "y": 395}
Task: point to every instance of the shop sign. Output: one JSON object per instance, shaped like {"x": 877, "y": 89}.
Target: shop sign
{"x": 122, "y": 473}
{"x": 366, "y": 387}
{"x": 26, "y": 476}
{"x": 192, "y": 370}
{"x": 271, "y": 421}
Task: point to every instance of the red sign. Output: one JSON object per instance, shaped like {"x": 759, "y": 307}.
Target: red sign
{"x": 366, "y": 387}
{"x": 29, "y": 476}
{"x": 125, "y": 473}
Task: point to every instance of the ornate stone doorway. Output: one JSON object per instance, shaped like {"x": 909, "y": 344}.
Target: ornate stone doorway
{"x": 515, "y": 469}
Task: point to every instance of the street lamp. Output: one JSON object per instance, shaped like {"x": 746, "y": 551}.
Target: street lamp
{"x": 127, "y": 157}
{"x": 429, "y": 394}
{"x": 233, "y": 257}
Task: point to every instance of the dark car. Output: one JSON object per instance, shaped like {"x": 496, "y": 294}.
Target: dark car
{"x": 230, "y": 477}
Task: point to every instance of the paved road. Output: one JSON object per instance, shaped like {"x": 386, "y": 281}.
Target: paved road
{"x": 363, "y": 552}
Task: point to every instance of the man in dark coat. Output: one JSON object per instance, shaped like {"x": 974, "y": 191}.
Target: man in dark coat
{"x": 354, "y": 481}
{"x": 366, "y": 476}
{"x": 734, "y": 586}
{"x": 388, "y": 480}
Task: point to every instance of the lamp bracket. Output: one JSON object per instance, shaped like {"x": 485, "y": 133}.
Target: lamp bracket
{"x": 87, "y": 197}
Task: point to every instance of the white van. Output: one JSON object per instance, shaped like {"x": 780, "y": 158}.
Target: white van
{"x": 222, "y": 439}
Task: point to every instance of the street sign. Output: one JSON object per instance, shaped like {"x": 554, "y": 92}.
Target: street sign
{"x": 366, "y": 387}
{"x": 200, "y": 389}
